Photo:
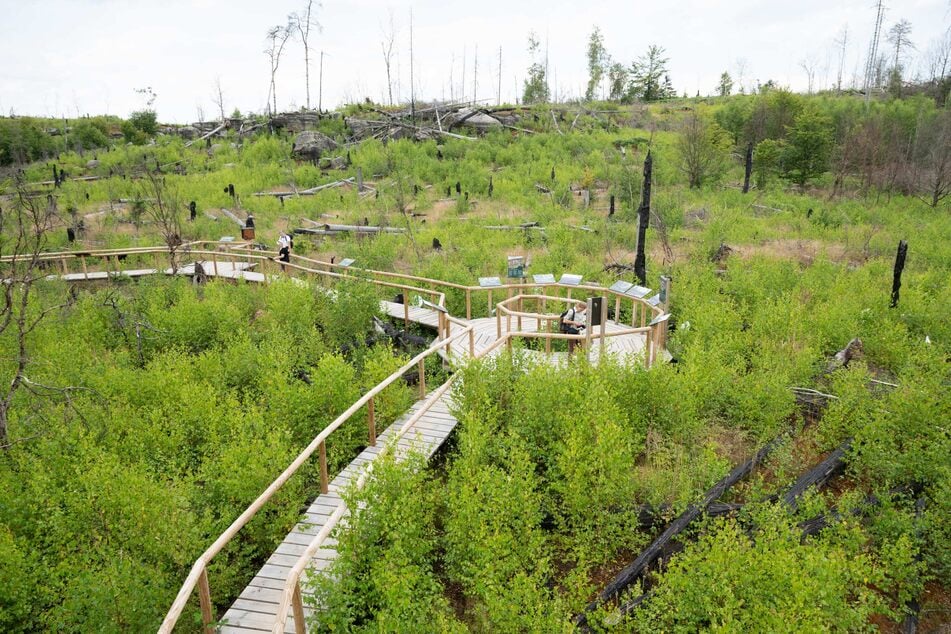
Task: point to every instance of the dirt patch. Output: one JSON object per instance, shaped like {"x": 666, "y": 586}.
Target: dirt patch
{"x": 732, "y": 444}
{"x": 803, "y": 251}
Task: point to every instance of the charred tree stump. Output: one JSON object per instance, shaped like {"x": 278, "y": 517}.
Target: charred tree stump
{"x": 491, "y": 187}
{"x": 192, "y": 210}
{"x": 458, "y": 187}
{"x": 643, "y": 218}
{"x": 749, "y": 168}
{"x": 611, "y": 209}
{"x": 899, "y": 267}
{"x": 650, "y": 554}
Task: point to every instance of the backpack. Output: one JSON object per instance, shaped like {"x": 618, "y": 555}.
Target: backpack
{"x": 562, "y": 326}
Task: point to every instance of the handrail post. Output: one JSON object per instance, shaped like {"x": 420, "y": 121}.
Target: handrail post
{"x": 405, "y": 306}
{"x": 519, "y": 319}
{"x": 65, "y": 266}
{"x": 508, "y": 321}
{"x": 371, "y": 421}
{"x": 204, "y": 598}
{"x": 490, "y": 303}
{"x": 324, "y": 478}
{"x": 300, "y": 624}
{"x": 85, "y": 271}
{"x": 647, "y": 349}
{"x": 498, "y": 323}
{"x": 214, "y": 263}
{"x": 617, "y": 309}
{"x": 422, "y": 378}
{"x": 633, "y": 312}
{"x": 468, "y": 303}
{"x": 471, "y": 343}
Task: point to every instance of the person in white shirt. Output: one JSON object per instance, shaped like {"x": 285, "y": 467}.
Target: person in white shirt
{"x": 572, "y": 321}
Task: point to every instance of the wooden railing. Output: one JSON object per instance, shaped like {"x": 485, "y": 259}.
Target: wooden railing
{"x": 654, "y": 335}
{"x": 512, "y": 306}
{"x": 292, "y": 597}
{"x": 198, "y": 577}
{"x": 640, "y": 308}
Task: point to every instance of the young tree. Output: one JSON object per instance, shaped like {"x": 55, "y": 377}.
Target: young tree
{"x": 725, "y": 88}
{"x": 536, "y": 85}
{"x": 933, "y": 160}
{"x": 618, "y": 78}
{"x": 302, "y": 23}
{"x": 647, "y": 75}
{"x": 597, "y": 60}
{"x": 163, "y": 207}
{"x": 277, "y": 37}
{"x": 703, "y": 147}
{"x": 808, "y": 145}
{"x": 24, "y": 226}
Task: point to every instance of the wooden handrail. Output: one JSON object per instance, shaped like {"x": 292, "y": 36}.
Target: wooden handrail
{"x": 198, "y": 575}
{"x": 291, "y": 593}
{"x": 201, "y": 563}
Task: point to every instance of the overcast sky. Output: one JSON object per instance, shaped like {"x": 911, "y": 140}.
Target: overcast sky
{"x": 69, "y": 57}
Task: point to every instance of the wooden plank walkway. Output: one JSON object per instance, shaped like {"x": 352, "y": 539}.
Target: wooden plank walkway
{"x": 255, "y": 609}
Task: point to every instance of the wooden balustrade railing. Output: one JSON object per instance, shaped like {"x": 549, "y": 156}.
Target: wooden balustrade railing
{"x": 197, "y": 578}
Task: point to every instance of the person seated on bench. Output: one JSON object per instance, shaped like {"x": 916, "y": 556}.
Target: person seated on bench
{"x": 571, "y": 322}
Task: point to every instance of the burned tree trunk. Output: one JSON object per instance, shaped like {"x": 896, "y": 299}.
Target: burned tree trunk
{"x": 817, "y": 476}
{"x": 749, "y": 168}
{"x": 899, "y": 267}
{"x": 643, "y": 218}
{"x": 650, "y": 554}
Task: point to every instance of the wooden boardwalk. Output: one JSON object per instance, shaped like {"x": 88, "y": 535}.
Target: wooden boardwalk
{"x": 255, "y": 609}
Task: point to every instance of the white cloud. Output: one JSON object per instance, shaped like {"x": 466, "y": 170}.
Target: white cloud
{"x": 88, "y": 56}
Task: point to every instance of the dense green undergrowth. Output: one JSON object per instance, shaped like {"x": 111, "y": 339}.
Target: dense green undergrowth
{"x": 154, "y": 414}
{"x": 157, "y": 412}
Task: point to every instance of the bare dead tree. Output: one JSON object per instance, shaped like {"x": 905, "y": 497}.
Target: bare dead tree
{"x": 277, "y": 37}
{"x": 870, "y": 67}
{"x": 24, "y": 227}
{"x": 842, "y": 42}
{"x": 302, "y": 23}
{"x": 808, "y": 65}
{"x": 389, "y": 38}
{"x": 218, "y": 97}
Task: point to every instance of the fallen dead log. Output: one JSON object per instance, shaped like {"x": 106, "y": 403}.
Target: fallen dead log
{"x": 238, "y": 221}
{"x": 361, "y": 229}
{"x": 513, "y": 227}
{"x": 913, "y": 606}
{"x": 307, "y": 192}
{"x": 650, "y": 554}
{"x": 210, "y": 134}
{"x": 817, "y": 476}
